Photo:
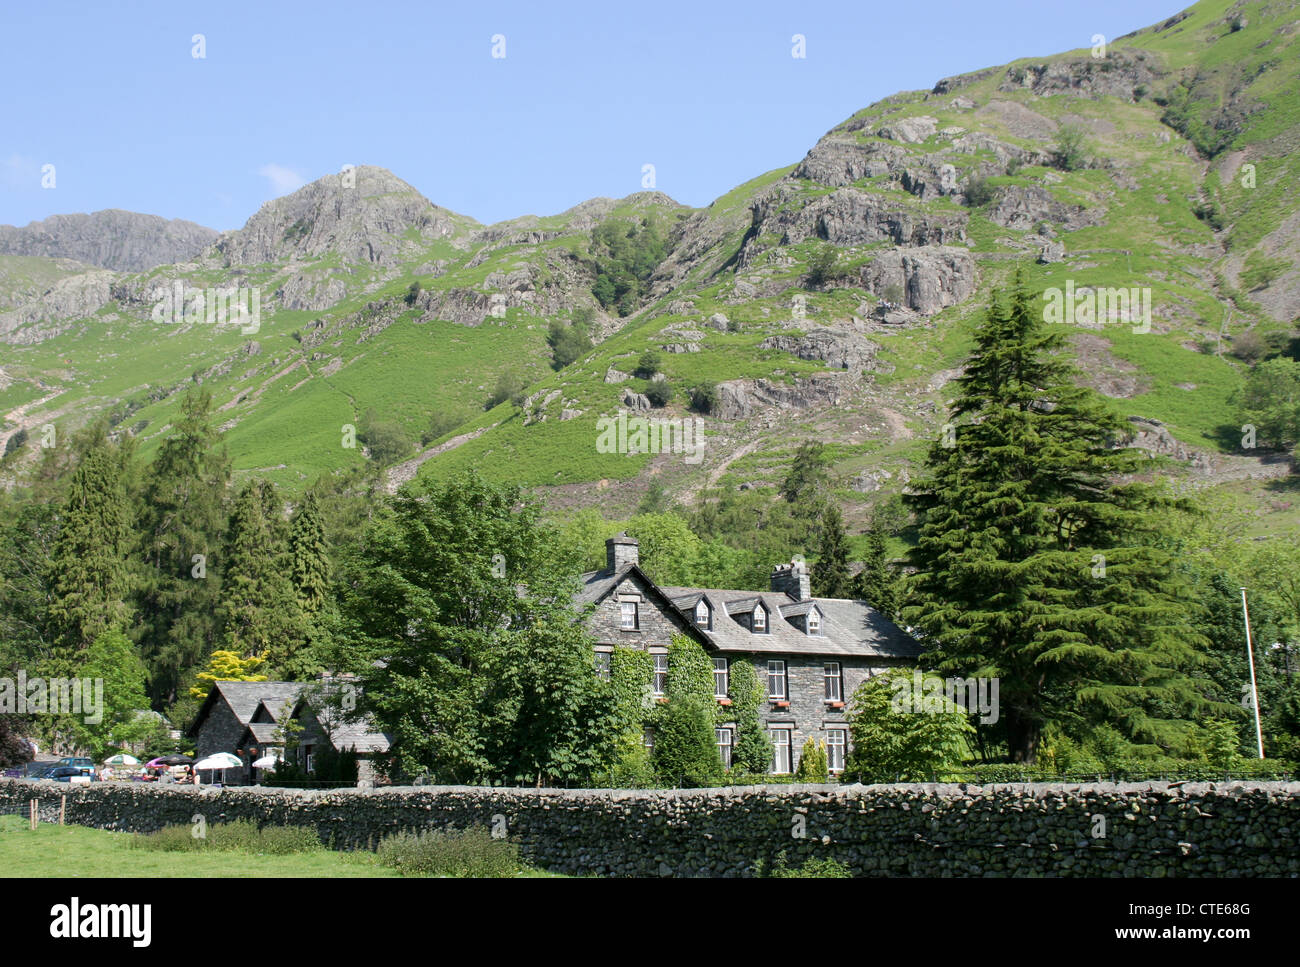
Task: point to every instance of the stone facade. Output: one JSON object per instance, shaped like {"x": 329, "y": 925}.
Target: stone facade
{"x": 859, "y": 644}
{"x": 1028, "y": 829}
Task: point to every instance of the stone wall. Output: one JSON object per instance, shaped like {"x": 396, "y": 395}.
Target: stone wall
{"x": 1033, "y": 829}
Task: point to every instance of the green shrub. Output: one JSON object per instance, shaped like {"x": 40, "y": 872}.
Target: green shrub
{"x": 751, "y": 751}
{"x": 647, "y": 365}
{"x": 924, "y": 735}
{"x": 812, "y": 868}
{"x": 510, "y": 386}
{"x": 1070, "y": 153}
{"x": 452, "y": 852}
{"x": 704, "y": 398}
{"x": 812, "y": 762}
{"x": 686, "y": 752}
{"x": 822, "y": 266}
{"x": 412, "y": 293}
{"x": 239, "y": 836}
{"x": 659, "y": 392}
{"x": 978, "y": 192}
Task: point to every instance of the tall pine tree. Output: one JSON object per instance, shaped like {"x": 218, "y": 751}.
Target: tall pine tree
{"x": 89, "y": 580}
{"x": 830, "y": 575}
{"x": 180, "y": 524}
{"x": 1036, "y": 563}
{"x": 260, "y": 616}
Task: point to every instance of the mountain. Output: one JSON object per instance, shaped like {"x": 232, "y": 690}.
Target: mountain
{"x": 831, "y": 299}
{"x": 111, "y": 239}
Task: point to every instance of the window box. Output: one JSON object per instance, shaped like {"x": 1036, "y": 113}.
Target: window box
{"x": 662, "y": 700}
{"x": 835, "y": 704}
{"x": 724, "y": 701}
{"x": 780, "y": 703}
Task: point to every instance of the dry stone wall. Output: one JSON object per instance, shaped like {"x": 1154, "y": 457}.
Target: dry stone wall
{"x": 1028, "y": 829}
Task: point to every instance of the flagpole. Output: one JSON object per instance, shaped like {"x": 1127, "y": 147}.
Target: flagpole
{"x": 1254, "y": 690}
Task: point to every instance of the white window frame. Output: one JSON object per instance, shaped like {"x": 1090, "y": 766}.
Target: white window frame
{"x": 604, "y": 664}
{"x": 723, "y": 739}
{"x": 814, "y": 621}
{"x": 782, "y": 740}
{"x": 659, "y": 682}
{"x": 721, "y": 674}
{"x": 773, "y": 672}
{"x": 836, "y": 678}
{"x": 626, "y": 609}
{"x": 702, "y": 621}
{"x": 757, "y": 628}
{"x": 831, "y": 749}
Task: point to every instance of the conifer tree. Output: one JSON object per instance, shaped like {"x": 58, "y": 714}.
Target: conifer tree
{"x": 260, "y": 616}
{"x": 830, "y": 575}
{"x": 1036, "y": 563}
{"x": 89, "y": 581}
{"x": 876, "y": 583}
{"x": 180, "y": 524}
{"x": 311, "y": 563}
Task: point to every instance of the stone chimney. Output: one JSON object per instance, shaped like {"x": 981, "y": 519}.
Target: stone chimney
{"x": 620, "y": 551}
{"x": 791, "y": 579}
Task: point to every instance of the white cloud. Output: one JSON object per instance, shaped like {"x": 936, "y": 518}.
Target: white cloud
{"x": 283, "y": 180}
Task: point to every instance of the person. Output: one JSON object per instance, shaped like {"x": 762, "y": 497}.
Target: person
{"x": 106, "y": 774}
{"x": 191, "y": 776}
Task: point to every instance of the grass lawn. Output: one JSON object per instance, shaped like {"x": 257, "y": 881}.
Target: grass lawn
{"x": 76, "y": 851}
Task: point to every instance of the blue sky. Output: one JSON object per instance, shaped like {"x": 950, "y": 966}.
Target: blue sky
{"x": 587, "y": 93}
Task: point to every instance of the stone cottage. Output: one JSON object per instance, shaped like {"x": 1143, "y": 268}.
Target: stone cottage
{"x": 248, "y": 719}
{"x": 811, "y": 652}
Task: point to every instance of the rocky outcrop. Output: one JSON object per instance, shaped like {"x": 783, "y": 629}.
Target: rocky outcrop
{"x": 930, "y": 278}
{"x": 111, "y": 239}
{"x": 311, "y": 291}
{"x": 911, "y": 130}
{"x": 739, "y": 399}
{"x": 635, "y": 401}
{"x": 849, "y": 216}
{"x": 1022, "y": 207}
{"x": 838, "y": 349}
{"x": 1118, "y": 74}
{"x": 68, "y": 300}
{"x": 839, "y": 161}
{"x": 363, "y": 219}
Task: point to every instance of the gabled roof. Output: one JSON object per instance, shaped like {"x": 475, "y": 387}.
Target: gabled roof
{"x": 243, "y": 698}
{"x": 598, "y": 585}
{"x": 359, "y": 736}
{"x": 848, "y": 629}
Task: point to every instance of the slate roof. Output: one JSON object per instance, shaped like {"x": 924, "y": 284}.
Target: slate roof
{"x": 244, "y": 698}
{"x": 849, "y": 628}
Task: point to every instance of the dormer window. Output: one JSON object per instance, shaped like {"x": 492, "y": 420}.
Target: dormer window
{"x": 702, "y": 615}
{"x": 814, "y": 622}
{"x": 760, "y": 620}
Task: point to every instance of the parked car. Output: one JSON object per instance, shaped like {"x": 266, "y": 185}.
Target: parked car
{"x": 37, "y": 770}
{"x": 77, "y": 774}
{"x": 80, "y": 761}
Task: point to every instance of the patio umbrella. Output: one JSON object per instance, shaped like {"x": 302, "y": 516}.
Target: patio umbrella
{"x": 267, "y": 762}
{"x": 222, "y": 761}
{"x": 121, "y": 759}
{"x": 175, "y": 759}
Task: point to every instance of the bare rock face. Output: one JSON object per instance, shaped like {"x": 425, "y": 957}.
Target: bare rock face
{"x": 364, "y": 222}
{"x": 934, "y": 179}
{"x": 848, "y": 216}
{"x": 1024, "y": 206}
{"x": 311, "y": 291}
{"x": 111, "y": 239}
{"x": 741, "y": 398}
{"x": 839, "y": 161}
{"x": 838, "y": 349}
{"x": 638, "y": 402}
{"x": 931, "y": 278}
{"x": 909, "y": 130}
{"x": 1118, "y": 74}
{"x": 68, "y": 300}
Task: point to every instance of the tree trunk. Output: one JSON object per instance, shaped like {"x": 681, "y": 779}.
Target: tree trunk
{"x": 1023, "y": 734}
